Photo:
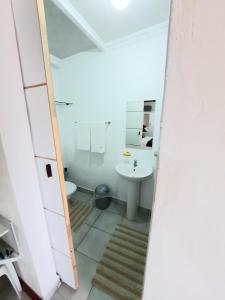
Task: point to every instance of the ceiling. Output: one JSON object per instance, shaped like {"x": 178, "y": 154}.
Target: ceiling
{"x": 66, "y": 39}
{"x": 111, "y": 24}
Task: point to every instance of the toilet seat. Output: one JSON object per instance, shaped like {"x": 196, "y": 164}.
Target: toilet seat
{"x": 70, "y": 188}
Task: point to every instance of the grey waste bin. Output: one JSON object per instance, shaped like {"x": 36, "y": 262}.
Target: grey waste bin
{"x": 102, "y": 196}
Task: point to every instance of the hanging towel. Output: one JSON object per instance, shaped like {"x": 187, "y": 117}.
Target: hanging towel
{"x": 98, "y": 137}
{"x": 84, "y": 136}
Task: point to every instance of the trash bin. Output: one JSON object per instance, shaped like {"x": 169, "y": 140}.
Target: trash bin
{"x": 102, "y": 196}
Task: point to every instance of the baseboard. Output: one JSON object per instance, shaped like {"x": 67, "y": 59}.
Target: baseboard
{"x": 115, "y": 200}
{"x": 144, "y": 210}
{"x": 84, "y": 190}
{"x": 119, "y": 201}
{"x": 29, "y": 291}
{"x": 124, "y": 203}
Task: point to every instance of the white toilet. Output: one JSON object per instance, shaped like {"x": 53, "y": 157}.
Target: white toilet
{"x": 70, "y": 188}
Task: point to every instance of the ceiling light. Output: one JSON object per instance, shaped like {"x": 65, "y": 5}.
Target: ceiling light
{"x": 120, "y": 4}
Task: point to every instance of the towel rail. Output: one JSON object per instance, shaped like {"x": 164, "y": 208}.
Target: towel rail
{"x": 63, "y": 103}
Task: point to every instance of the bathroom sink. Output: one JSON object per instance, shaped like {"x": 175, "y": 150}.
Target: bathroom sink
{"x": 138, "y": 174}
{"x": 134, "y": 176}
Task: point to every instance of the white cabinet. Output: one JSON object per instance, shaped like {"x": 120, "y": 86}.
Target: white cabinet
{"x": 60, "y": 248}
{"x": 64, "y": 268}
{"x": 57, "y": 231}
{"x": 29, "y": 41}
{"x": 56, "y": 222}
{"x": 40, "y": 122}
{"x": 50, "y": 186}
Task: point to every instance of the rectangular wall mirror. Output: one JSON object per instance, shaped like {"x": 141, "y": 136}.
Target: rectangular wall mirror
{"x": 140, "y": 117}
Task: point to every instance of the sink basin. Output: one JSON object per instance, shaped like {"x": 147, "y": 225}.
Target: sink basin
{"x": 132, "y": 173}
{"x": 134, "y": 177}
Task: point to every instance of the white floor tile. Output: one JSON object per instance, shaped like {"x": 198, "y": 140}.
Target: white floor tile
{"x": 94, "y": 244}
{"x": 80, "y": 234}
{"x": 96, "y": 294}
{"x": 142, "y": 217}
{"x": 93, "y": 216}
{"x": 7, "y": 292}
{"x": 117, "y": 208}
{"x": 65, "y": 291}
{"x": 84, "y": 197}
{"x": 140, "y": 226}
{"x": 108, "y": 221}
{"x": 86, "y": 271}
{"x": 58, "y": 296}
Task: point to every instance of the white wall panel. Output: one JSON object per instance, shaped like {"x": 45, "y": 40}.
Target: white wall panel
{"x": 29, "y": 41}
{"x": 64, "y": 267}
{"x": 57, "y": 231}
{"x": 40, "y": 121}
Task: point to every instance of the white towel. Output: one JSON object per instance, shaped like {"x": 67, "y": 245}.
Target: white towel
{"x": 98, "y": 137}
{"x": 84, "y": 136}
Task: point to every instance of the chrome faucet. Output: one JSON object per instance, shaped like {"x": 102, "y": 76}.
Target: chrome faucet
{"x": 135, "y": 163}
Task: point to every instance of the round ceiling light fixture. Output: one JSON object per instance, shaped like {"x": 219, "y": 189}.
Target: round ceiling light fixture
{"x": 120, "y": 4}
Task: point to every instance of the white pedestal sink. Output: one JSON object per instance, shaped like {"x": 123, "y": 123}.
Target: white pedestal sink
{"x": 134, "y": 177}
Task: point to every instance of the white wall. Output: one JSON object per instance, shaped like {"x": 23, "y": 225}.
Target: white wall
{"x": 187, "y": 241}
{"x": 8, "y": 209}
{"x": 100, "y": 84}
{"x": 21, "y": 199}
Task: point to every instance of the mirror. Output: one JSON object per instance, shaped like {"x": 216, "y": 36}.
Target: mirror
{"x": 140, "y": 116}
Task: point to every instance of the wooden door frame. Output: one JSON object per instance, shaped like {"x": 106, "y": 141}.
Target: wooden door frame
{"x": 52, "y": 108}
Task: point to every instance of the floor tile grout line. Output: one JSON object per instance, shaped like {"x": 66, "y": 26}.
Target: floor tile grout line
{"x": 97, "y": 218}
{"x": 89, "y": 292}
{"x": 96, "y": 228}
{"x": 88, "y": 256}
{"x": 90, "y": 227}
{"x": 122, "y": 215}
{"x": 101, "y": 212}
{"x": 81, "y": 240}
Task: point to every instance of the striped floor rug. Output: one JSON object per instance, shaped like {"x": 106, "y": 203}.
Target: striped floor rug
{"x": 79, "y": 211}
{"x": 120, "y": 272}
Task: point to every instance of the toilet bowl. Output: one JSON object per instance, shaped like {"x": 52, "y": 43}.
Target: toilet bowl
{"x": 70, "y": 188}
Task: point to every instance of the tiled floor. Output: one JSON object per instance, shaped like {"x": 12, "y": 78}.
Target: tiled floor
{"x": 89, "y": 241}
{"x": 7, "y": 292}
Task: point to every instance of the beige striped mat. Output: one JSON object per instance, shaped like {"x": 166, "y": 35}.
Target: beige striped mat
{"x": 79, "y": 211}
{"x": 120, "y": 272}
